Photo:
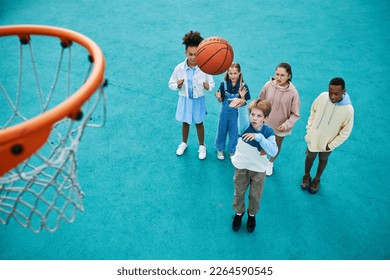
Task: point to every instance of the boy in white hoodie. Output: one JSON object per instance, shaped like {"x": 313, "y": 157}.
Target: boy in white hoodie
{"x": 250, "y": 160}
{"x": 329, "y": 125}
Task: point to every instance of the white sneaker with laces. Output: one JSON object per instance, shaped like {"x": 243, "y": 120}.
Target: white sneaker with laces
{"x": 202, "y": 152}
{"x": 220, "y": 155}
{"x": 182, "y": 147}
{"x": 270, "y": 169}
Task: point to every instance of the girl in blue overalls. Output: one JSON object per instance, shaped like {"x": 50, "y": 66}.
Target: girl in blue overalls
{"x": 232, "y": 87}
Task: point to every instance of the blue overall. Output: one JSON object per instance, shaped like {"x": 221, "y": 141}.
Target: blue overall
{"x": 228, "y": 116}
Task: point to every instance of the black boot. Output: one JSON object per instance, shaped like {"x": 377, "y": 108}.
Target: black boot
{"x": 251, "y": 223}
{"x": 237, "y": 222}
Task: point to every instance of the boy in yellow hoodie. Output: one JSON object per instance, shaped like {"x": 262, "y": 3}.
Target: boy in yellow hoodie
{"x": 329, "y": 125}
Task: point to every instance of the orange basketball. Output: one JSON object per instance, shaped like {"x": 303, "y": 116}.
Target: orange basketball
{"x": 214, "y": 55}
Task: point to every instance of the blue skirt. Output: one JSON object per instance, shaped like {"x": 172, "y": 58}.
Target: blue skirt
{"x": 191, "y": 110}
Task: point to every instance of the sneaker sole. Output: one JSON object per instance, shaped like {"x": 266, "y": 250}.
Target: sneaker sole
{"x": 178, "y": 154}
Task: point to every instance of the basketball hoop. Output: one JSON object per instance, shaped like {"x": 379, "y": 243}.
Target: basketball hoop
{"x": 40, "y": 133}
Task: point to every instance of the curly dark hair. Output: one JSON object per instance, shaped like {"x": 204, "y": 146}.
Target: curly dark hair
{"x": 192, "y": 39}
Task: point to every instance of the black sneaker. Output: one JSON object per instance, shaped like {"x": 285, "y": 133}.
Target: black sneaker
{"x": 237, "y": 222}
{"x": 251, "y": 223}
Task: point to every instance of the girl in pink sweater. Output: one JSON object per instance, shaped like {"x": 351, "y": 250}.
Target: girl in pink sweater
{"x": 284, "y": 98}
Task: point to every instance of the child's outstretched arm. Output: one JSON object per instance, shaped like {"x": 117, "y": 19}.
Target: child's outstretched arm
{"x": 243, "y": 117}
{"x": 268, "y": 144}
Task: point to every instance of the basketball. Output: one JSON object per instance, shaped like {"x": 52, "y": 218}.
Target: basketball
{"x": 214, "y": 55}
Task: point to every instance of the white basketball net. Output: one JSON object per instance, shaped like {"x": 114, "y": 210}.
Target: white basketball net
{"x": 44, "y": 189}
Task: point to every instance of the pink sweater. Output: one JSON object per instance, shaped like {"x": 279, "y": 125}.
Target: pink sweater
{"x": 285, "y": 106}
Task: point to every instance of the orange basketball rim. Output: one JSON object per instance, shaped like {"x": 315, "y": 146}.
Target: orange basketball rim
{"x": 20, "y": 141}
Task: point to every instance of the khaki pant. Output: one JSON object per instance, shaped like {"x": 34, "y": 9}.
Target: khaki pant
{"x": 244, "y": 178}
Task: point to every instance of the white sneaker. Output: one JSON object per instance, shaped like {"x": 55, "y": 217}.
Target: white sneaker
{"x": 270, "y": 169}
{"x": 220, "y": 155}
{"x": 202, "y": 152}
{"x": 180, "y": 150}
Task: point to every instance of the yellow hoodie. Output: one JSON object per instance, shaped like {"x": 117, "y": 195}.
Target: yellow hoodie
{"x": 329, "y": 123}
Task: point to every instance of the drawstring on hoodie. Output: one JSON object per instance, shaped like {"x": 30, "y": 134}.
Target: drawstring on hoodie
{"x": 319, "y": 123}
{"x": 280, "y": 100}
{"x": 281, "y": 95}
{"x": 331, "y": 116}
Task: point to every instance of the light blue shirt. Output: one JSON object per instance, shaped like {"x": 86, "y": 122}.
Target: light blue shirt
{"x": 190, "y": 76}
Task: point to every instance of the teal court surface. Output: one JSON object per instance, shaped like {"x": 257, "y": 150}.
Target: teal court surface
{"x": 142, "y": 202}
